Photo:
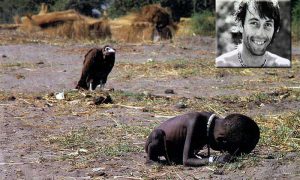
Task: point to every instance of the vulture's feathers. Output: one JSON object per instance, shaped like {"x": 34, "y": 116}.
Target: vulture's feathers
{"x": 97, "y": 64}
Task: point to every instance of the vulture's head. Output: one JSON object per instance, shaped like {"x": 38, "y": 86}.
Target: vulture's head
{"x": 108, "y": 52}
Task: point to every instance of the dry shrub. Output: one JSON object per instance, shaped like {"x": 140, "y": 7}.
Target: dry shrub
{"x": 141, "y": 31}
{"x": 152, "y": 23}
{"x": 44, "y": 9}
{"x": 28, "y": 25}
{"x": 155, "y": 14}
{"x": 17, "y": 19}
{"x": 184, "y": 27}
{"x": 81, "y": 29}
{"x": 100, "y": 29}
{"x": 121, "y": 27}
{"x": 69, "y": 24}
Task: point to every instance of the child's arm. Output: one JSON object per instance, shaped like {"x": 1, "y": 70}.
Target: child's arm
{"x": 188, "y": 153}
{"x": 225, "y": 158}
{"x": 188, "y": 158}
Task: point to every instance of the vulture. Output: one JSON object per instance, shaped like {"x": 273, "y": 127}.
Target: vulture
{"x": 97, "y": 64}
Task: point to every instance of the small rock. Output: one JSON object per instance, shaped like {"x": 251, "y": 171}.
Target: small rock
{"x": 270, "y": 156}
{"x": 88, "y": 95}
{"x": 76, "y": 153}
{"x": 291, "y": 155}
{"x": 19, "y": 76}
{"x": 291, "y": 76}
{"x": 38, "y": 98}
{"x": 199, "y": 97}
{"x": 169, "y": 91}
{"x": 183, "y": 47}
{"x": 41, "y": 62}
{"x": 48, "y": 104}
{"x": 82, "y": 151}
{"x": 181, "y": 105}
{"x": 60, "y": 96}
{"x": 97, "y": 173}
{"x": 271, "y": 73}
{"x": 220, "y": 75}
{"x": 284, "y": 96}
{"x": 262, "y": 105}
{"x": 90, "y": 103}
{"x": 111, "y": 89}
{"x": 218, "y": 172}
{"x": 147, "y": 109}
{"x": 102, "y": 100}
{"x": 147, "y": 93}
{"x": 11, "y": 98}
{"x": 74, "y": 102}
{"x": 97, "y": 169}
{"x": 4, "y": 56}
{"x": 150, "y": 60}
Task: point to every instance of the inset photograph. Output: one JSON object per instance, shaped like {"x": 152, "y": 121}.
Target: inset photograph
{"x": 253, "y": 33}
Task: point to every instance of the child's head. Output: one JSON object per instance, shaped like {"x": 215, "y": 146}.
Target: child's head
{"x": 241, "y": 134}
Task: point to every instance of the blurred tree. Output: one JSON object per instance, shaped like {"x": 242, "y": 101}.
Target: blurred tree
{"x": 85, "y": 6}
{"x": 296, "y": 20}
{"x": 121, "y": 7}
{"x": 59, "y": 5}
{"x": 183, "y": 8}
{"x": 179, "y": 8}
{"x": 11, "y": 8}
{"x": 294, "y": 3}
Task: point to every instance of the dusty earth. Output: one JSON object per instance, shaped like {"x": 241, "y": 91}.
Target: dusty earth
{"x": 45, "y": 138}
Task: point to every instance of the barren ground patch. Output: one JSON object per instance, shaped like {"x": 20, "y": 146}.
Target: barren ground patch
{"x": 42, "y": 137}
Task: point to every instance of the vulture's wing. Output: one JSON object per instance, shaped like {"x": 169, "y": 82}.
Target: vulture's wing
{"x": 89, "y": 61}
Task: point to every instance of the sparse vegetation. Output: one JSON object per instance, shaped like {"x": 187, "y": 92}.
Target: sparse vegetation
{"x": 281, "y": 132}
{"x": 75, "y": 136}
{"x": 203, "y": 23}
{"x": 296, "y": 21}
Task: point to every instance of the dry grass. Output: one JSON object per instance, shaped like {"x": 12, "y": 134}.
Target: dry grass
{"x": 184, "y": 27}
{"x": 81, "y": 147}
{"x": 120, "y": 27}
{"x": 280, "y": 132}
{"x": 169, "y": 69}
{"x": 66, "y": 23}
{"x": 140, "y": 27}
{"x": 124, "y": 140}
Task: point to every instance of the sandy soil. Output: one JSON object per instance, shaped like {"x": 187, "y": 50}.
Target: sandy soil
{"x": 31, "y": 70}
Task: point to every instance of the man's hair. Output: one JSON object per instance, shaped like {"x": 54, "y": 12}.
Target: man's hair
{"x": 265, "y": 8}
{"x": 242, "y": 134}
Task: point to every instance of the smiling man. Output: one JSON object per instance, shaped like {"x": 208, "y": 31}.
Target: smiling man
{"x": 260, "y": 21}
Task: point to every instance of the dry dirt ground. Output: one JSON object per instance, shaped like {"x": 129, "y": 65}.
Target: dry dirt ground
{"x": 45, "y": 138}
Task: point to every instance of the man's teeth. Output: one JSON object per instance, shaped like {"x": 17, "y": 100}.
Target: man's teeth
{"x": 259, "y": 42}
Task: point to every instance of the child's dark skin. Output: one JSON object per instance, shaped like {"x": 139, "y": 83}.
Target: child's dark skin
{"x": 179, "y": 138}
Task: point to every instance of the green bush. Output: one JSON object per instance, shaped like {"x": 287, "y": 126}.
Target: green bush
{"x": 296, "y": 21}
{"x": 204, "y": 23}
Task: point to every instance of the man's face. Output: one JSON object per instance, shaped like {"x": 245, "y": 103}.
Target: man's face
{"x": 257, "y": 32}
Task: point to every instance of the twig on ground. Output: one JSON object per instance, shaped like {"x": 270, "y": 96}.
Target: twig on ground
{"x": 178, "y": 176}
{"x": 25, "y": 101}
{"x": 130, "y": 107}
{"x": 126, "y": 177}
{"x": 162, "y": 116}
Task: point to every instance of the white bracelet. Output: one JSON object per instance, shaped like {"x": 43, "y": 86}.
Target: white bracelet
{"x": 211, "y": 159}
